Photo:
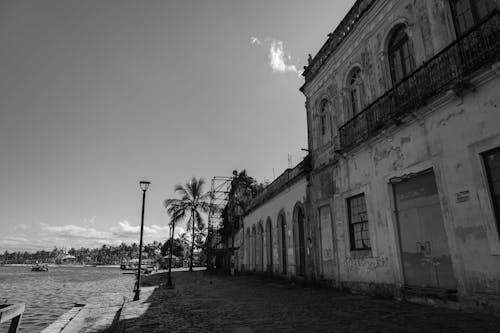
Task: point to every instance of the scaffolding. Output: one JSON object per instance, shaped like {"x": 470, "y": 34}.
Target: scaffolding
{"x": 219, "y": 196}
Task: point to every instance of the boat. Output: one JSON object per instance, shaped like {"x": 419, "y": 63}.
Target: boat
{"x": 147, "y": 266}
{"x": 40, "y": 268}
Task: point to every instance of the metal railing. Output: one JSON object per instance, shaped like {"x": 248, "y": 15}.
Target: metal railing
{"x": 449, "y": 69}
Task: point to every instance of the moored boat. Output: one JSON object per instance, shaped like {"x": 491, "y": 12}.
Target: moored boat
{"x": 40, "y": 268}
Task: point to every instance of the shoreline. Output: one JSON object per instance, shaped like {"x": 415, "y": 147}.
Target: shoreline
{"x": 60, "y": 265}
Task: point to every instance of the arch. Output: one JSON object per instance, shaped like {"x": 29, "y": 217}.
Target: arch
{"x": 281, "y": 221}
{"x": 299, "y": 238}
{"x": 325, "y": 117}
{"x": 260, "y": 259}
{"x": 400, "y": 53}
{"x": 389, "y": 31}
{"x": 269, "y": 247}
{"x": 254, "y": 247}
{"x": 355, "y": 91}
{"x": 248, "y": 249}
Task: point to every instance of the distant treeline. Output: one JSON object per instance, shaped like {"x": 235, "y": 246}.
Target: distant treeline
{"x": 105, "y": 255}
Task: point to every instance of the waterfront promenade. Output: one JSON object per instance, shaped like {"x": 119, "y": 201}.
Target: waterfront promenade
{"x": 217, "y": 303}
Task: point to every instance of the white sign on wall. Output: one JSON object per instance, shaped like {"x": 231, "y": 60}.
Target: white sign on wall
{"x": 326, "y": 233}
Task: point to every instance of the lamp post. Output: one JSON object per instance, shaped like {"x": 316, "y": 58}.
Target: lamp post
{"x": 144, "y": 187}
{"x": 169, "y": 281}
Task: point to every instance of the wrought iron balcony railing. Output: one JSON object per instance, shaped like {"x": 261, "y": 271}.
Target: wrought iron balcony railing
{"x": 449, "y": 69}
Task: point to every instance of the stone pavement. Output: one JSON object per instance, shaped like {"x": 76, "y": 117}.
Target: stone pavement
{"x": 216, "y": 303}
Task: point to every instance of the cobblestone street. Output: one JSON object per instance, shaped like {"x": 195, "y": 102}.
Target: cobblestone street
{"x": 216, "y": 303}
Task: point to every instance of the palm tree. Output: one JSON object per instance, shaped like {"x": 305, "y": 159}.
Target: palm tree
{"x": 192, "y": 204}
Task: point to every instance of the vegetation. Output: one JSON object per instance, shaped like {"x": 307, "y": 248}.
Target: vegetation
{"x": 190, "y": 209}
{"x": 243, "y": 189}
{"x": 105, "y": 255}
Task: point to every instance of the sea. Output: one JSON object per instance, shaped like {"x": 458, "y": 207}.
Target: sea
{"x": 48, "y": 295}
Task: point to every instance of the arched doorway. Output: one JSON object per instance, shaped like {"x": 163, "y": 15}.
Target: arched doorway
{"x": 254, "y": 248}
{"x": 269, "y": 239}
{"x": 247, "y": 250}
{"x": 282, "y": 237}
{"x": 299, "y": 239}
{"x": 261, "y": 248}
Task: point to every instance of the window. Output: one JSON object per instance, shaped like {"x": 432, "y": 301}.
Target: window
{"x": 358, "y": 223}
{"x": 323, "y": 124}
{"x": 324, "y": 118}
{"x": 355, "y": 91}
{"x": 468, "y": 13}
{"x": 492, "y": 165}
{"x": 400, "y": 53}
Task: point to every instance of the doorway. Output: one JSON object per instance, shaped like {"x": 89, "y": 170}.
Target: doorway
{"x": 424, "y": 243}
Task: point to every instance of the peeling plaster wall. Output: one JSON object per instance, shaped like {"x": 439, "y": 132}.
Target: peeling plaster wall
{"x": 450, "y": 140}
{"x": 283, "y": 202}
{"x": 448, "y": 136}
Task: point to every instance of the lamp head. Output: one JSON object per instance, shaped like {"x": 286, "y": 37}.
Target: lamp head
{"x": 144, "y": 185}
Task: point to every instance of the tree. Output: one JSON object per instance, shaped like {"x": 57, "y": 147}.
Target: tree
{"x": 191, "y": 206}
{"x": 178, "y": 248}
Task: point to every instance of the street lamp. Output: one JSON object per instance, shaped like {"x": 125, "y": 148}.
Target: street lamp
{"x": 169, "y": 281}
{"x": 144, "y": 187}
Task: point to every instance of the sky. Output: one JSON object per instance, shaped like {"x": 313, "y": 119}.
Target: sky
{"x": 97, "y": 95}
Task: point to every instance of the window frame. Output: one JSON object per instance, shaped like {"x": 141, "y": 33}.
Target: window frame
{"x": 475, "y": 15}
{"x": 396, "y": 49}
{"x": 366, "y": 222}
{"x": 494, "y": 197}
{"x": 355, "y": 95}
{"x": 325, "y": 135}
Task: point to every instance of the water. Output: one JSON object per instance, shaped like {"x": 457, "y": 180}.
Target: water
{"x": 48, "y": 295}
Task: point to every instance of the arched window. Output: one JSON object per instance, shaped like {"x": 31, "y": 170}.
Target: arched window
{"x": 468, "y": 13}
{"x": 355, "y": 92}
{"x": 400, "y": 52}
{"x": 324, "y": 122}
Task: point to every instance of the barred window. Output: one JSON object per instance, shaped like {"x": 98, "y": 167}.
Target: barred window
{"x": 401, "y": 58}
{"x": 492, "y": 164}
{"x": 467, "y": 13}
{"x": 358, "y": 223}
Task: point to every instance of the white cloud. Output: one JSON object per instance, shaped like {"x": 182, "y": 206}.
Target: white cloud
{"x": 125, "y": 229}
{"x": 46, "y": 236}
{"x": 255, "y": 41}
{"x": 279, "y": 60}
{"x": 21, "y": 226}
{"x": 74, "y": 231}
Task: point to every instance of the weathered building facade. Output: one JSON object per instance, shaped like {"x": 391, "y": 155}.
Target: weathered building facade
{"x": 403, "y": 110}
{"x": 400, "y": 193}
{"x": 274, "y": 236}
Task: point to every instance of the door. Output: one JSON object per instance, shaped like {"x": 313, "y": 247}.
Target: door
{"x": 424, "y": 244}
{"x": 269, "y": 238}
{"x": 300, "y": 246}
{"x": 282, "y": 225}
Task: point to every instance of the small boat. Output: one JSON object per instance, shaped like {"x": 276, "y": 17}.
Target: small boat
{"x": 40, "y": 268}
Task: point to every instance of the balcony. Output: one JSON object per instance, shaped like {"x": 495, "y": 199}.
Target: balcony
{"x": 449, "y": 69}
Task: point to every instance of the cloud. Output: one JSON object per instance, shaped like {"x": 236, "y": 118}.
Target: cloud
{"x": 125, "y": 229}
{"x": 255, "y": 41}
{"x": 279, "y": 60}
{"x": 74, "y": 231}
{"x": 45, "y": 236}
{"x": 21, "y": 226}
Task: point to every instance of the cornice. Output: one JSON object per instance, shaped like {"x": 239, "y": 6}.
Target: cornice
{"x": 370, "y": 24}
